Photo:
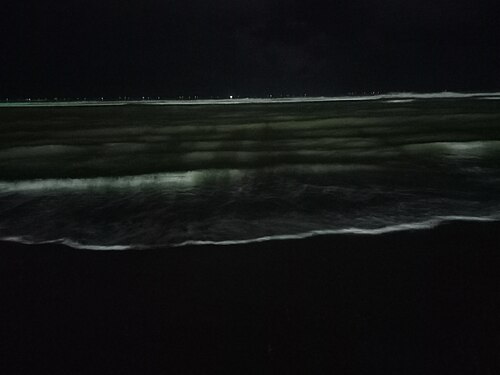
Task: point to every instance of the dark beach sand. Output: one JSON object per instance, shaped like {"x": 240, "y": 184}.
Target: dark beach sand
{"x": 422, "y": 302}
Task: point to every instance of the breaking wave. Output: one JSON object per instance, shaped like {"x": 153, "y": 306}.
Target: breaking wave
{"x": 134, "y": 177}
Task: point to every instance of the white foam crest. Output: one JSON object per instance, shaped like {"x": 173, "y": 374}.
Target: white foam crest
{"x": 457, "y": 149}
{"x": 167, "y": 180}
{"x": 400, "y": 101}
{"x": 428, "y": 224}
{"x": 69, "y": 243}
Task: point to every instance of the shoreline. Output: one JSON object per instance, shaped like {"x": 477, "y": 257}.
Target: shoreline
{"x": 408, "y": 302}
{"x": 430, "y": 224}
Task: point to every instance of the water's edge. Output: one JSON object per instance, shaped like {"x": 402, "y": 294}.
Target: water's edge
{"x": 404, "y": 227}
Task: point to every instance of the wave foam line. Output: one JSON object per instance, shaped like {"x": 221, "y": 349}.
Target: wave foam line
{"x": 71, "y": 243}
{"x": 427, "y": 224}
{"x": 168, "y": 179}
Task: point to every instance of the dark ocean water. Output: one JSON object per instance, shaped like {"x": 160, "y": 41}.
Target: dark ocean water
{"x": 129, "y": 175}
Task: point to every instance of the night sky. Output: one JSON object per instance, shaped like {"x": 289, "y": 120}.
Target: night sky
{"x": 78, "y": 48}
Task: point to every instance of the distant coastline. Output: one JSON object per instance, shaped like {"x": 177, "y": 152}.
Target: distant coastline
{"x": 194, "y": 100}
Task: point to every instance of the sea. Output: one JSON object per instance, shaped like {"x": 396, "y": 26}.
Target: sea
{"x": 118, "y": 175}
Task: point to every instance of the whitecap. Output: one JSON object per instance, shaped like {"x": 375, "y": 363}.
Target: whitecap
{"x": 170, "y": 180}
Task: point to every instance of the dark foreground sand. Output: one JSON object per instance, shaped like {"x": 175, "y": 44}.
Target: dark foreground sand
{"x": 424, "y": 302}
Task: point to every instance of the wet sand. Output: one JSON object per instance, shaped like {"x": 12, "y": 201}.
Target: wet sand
{"x": 419, "y": 302}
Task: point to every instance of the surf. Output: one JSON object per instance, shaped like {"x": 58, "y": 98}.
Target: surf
{"x": 402, "y": 227}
